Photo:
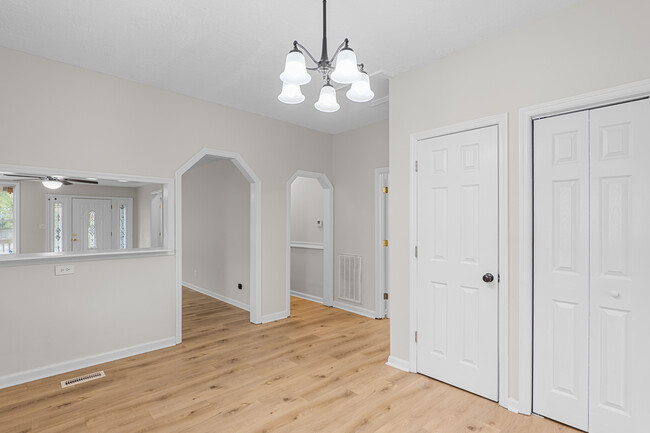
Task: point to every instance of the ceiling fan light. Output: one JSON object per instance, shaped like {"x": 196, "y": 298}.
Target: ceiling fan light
{"x": 327, "y": 100}
{"x": 52, "y": 184}
{"x": 346, "y": 71}
{"x": 295, "y": 71}
{"x": 360, "y": 90}
{"x": 291, "y": 94}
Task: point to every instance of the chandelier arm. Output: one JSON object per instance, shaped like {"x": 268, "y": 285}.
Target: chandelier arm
{"x": 306, "y": 51}
{"x": 338, "y": 50}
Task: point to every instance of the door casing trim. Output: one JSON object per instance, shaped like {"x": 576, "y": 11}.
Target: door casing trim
{"x": 380, "y": 262}
{"x": 501, "y": 121}
{"x": 527, "y": 115}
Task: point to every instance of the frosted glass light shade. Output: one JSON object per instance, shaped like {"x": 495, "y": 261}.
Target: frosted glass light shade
{"x": 291, "y": 94}
{"x": 346, "y": 71}
{"x": 295, "y": 71}
{"x": 360, "y": 91}
{"x": 52, "y": 184}
{"x": 327, "y": 100}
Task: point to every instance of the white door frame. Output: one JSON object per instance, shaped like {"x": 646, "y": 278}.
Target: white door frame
{"x": 527, "y": 115}
{"x": 328, "y": 236}
{"x": 255, "y": 232}
{"x": 501, "y": 122}
{"x": 380, "y": 261}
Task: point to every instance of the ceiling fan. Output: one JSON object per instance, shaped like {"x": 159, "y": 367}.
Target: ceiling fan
{"x": 51, "y": 182}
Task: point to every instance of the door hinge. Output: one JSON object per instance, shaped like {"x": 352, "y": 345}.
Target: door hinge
{"x": 416, "y": 251}
{"x": 385, "y": 296}
{"x": 498, "y": 278}
{"x": 385, "y": 189}
{"x": 416, "y": 336}
{"x": 385, "y": 243}
{"x": 416, "y": 166}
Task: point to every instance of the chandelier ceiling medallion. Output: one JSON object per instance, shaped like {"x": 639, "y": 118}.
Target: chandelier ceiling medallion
{"x": 342, "y": 68}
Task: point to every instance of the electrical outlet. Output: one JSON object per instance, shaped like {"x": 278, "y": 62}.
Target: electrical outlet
{"x": 240, "y": 286}
{"x": 63, "y": 269}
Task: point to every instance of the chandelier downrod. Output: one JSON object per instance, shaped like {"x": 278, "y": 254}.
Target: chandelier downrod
{"x": 323, "y": 55}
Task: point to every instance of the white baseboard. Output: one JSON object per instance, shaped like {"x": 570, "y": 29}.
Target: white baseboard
{"x": 88, "y": 361}
{"x": 227, "y": 300}
{"x": 355, "y": 309}
{"x": 398, "y": 363}
{"x": 274, "y": 316}
{"x": 513, "y": 405}
{"x": 307, "y": 297}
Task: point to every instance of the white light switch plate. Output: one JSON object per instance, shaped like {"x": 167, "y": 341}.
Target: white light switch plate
{"x": 64, "y": 269}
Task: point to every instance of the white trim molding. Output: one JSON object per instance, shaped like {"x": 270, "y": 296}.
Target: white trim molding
{"x": 275, "y": 316}
{"x": 307, "y": 296}
{"x": 354, "y": 309}
{"x": 307, "y": 245}
{"x": 527, "y": 115}
{"x": 328, "y": 237}
{"x": 398, "y": 363}
{"x": 501, "y": 121}
{"x": 255, "y": 232}
{"x": 88, "y": 361}
{"x": 217, "y": 296}
{"x": 380, "y": 262}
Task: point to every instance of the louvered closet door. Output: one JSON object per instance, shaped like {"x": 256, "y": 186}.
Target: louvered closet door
{"x": 561, "y": 269}
{"x": 620, "y": 269}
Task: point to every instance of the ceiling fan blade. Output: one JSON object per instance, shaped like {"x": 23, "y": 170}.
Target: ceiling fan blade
{"x": 65, "y": 182}
{"x": 92, "y": 182}
{"x": 29, "y": 176}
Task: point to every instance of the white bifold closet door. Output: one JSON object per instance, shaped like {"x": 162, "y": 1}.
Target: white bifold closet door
{"x": 592, "y": 245}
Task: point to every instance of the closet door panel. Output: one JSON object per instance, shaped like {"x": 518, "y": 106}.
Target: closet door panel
{"x": 561, "y": 268}
{"x": 620, "y": 268}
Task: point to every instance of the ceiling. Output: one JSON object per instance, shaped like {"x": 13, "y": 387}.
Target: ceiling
{"x": 232, "y": 52}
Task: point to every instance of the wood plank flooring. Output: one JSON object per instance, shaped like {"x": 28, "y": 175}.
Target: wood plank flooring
{"x": 321, "y": 370}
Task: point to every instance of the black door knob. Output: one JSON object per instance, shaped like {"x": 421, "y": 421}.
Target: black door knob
{"x": 488, "y": 278}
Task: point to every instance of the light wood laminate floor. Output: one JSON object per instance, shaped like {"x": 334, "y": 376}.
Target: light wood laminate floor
{"x": 322, "y": 370}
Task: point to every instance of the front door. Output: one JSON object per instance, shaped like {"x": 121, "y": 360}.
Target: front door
{"x": 91, "y": 224}
{"x": 457, "y": 238}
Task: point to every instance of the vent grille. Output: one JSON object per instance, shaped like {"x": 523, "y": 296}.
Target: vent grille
{"x": 82, "y": 379}
{"x": 350, "y": 278}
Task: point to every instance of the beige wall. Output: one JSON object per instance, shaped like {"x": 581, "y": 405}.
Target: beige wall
{"x": 356, "y": 154}
{"x": 60, "y": 116}
{"x": 591, "y": 46}
{"x": 216, "y": 230}
{"x": 306, "y": 210}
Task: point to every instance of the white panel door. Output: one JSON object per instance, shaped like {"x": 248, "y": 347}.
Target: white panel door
{"x": 620, "y": 264}
{"x": 561, "y": 268}
{"x": 457, "y": 230}
{"x": 91, "y": 224}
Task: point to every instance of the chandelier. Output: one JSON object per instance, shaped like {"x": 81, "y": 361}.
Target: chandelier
{"x": 342, "y": 68}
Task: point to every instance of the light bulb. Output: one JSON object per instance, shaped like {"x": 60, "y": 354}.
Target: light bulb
{"x": 295, "y": 71}
{"x": 346, "y": 71}
{"x": 327, "y": 100}
{"x": 360, "y": 90}
{"x": 291, "y": 94}
{"x": 52, "y": 184}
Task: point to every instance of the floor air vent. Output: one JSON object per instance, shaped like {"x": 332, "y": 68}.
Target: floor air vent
{"x": 82, "y": 379}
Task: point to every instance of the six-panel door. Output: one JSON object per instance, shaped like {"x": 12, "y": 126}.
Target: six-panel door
{"x": 457, "y": 311}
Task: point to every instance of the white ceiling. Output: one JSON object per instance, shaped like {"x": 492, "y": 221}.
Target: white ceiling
{"x": 232, "y": 52}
